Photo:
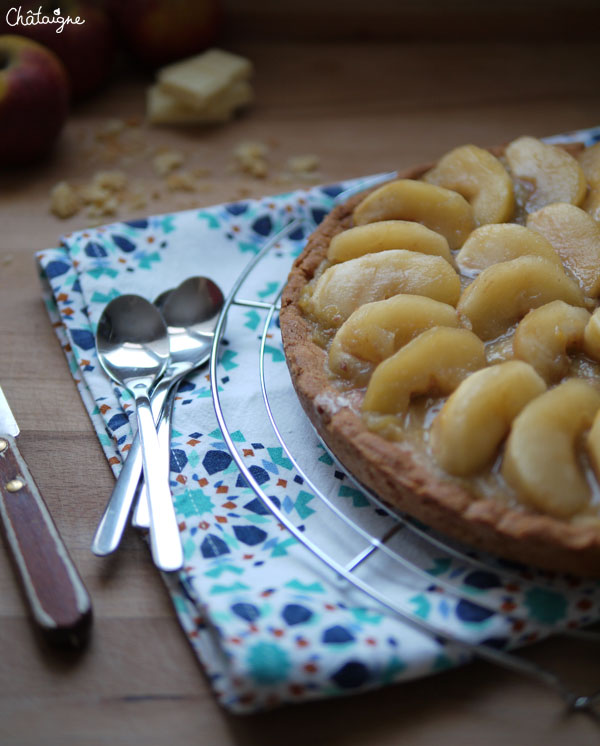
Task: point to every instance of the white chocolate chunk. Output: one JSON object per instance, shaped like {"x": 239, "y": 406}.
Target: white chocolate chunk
{"x": 546, "y": 336}
{"x": 377, "y": 330}
{"x": 540, "y": 460}
{"x": 480, "y": 178}
{"x": 164, "y": 108}
{"x": 341, "y": 289}
{"x": 442, "y": 210}
{"x": 491, "y": 244}
{"x": 547, "y": 173}
{"x": 466, "y": 434}
{"x": 385, "y": 235}
{"x": 197, "y": 81}
{"x": 434, "y": 362}
{"x": 575, "y": 236}
{"x": 505, "y": 292}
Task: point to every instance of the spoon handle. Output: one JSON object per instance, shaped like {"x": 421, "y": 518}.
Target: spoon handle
{"x": 114, "y": 519}
{"x": 164, "y": 531}
{"x": 141, "y": 514}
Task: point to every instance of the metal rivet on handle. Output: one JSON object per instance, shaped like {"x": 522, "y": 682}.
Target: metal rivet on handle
{"x": 15, "y": 485}
{"x": 3, "y": 445}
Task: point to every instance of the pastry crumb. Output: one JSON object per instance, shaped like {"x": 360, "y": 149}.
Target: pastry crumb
{"x": 251, "y": 158}
{"x": 110, "y": 128}
{"x": 92, "y": 194}
{"x": 167, "y": 161}
{"x": 64, "y": 200}
{"x": 181, "y": 182}
{"x": 113, "y": 181}
{"x": 303, "y": 164}
{"x": 201, "y": 172}
{"x": 103, "y": 209}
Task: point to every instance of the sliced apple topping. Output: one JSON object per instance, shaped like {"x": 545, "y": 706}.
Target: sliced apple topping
{"x": 341, "y": 289}
{"x": 442, "y": 210}
{"x": 593, "y": 445}
{"x": 434, "y": 362}
{"x": 591, "y": 336}
{"x": 589, "y": 160}
{"x": 575, "y": 237}
{"x": 480, "y": 178}
{"x": 491, "y": 244}
{"x": 503, "y": 293}
{"x": 546, "y": 174}
{"x": 591, "y": 204}
{"x": 476, "y": 418}
{"x": 385, "y": 235}
{"x": 377, "y": 330}
{"x": 547, "y": 335}
{"x": 540, "y": 460}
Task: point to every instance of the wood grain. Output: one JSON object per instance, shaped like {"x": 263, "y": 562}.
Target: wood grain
{"x": 362, "y": 108}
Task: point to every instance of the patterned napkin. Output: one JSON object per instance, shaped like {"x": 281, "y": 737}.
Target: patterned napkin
{"x": 268, "y": 620}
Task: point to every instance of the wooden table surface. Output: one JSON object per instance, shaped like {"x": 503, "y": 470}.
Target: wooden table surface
{"x": 360, "y": 108}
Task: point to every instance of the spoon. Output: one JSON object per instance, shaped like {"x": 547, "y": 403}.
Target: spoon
{"x": 190, "y": 311}
{"x": 133, "y": 348}
{"x": 198, "y": 302}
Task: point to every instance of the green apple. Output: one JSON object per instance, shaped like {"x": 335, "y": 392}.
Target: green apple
{"x": 34, "y": 99}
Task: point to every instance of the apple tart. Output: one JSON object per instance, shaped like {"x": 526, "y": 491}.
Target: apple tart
{"x": 443, "y": 335}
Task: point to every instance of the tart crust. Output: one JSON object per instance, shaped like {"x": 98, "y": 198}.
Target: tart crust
{"x": 393, "y": 470}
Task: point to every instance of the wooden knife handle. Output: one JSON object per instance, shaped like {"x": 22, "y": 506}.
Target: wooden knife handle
{"x": 58, "y": 600}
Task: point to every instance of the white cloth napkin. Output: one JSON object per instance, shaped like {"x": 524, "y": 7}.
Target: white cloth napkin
{"x": 270, "y": 622}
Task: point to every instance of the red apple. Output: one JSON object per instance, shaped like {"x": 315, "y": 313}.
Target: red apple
{"x": 160, "y": 31}
{"x": 34, "y": 99}
{"x": 86, "y": 48}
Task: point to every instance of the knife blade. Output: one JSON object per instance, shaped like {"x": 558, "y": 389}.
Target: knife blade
{"x": 58, "y": 600}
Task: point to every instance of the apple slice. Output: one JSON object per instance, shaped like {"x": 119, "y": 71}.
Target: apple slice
{"x": 589, "y": 160}
{"x": 591, "y": 336}
{"x": 540, "y": 460}
{"x": 505, "y": 292}
{"x": 545, "y": 174}
{"x": 575, "y": 236}
{"x": 547, "y": 334}
{"x": 377, "y": 330}
{"x": 591, "y": 204}
{"x": 442, "y": 210}
{"x": 491, "y": 244}
{"x": 385, "y": 235}
{"x": 435, "y": 361}
{"x": 342, "y": 288}
{"x": 469, "y": 428}
{"x": 480, "y": 178}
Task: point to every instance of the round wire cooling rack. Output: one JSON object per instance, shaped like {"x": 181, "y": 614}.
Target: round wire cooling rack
{"x": 365, "y": 556}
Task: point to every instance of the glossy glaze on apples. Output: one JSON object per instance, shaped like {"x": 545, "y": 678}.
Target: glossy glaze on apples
{"x": 426, "y": 413}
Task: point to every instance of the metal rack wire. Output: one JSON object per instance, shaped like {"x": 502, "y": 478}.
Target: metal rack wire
{"x": 367, "y": 547}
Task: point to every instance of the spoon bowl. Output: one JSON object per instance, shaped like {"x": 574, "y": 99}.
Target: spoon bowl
{"x": 132, "y": 341}
{"x": 190, "y": 312}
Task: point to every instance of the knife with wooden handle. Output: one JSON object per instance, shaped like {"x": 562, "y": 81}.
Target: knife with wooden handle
{"x": 59, "y": 603}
